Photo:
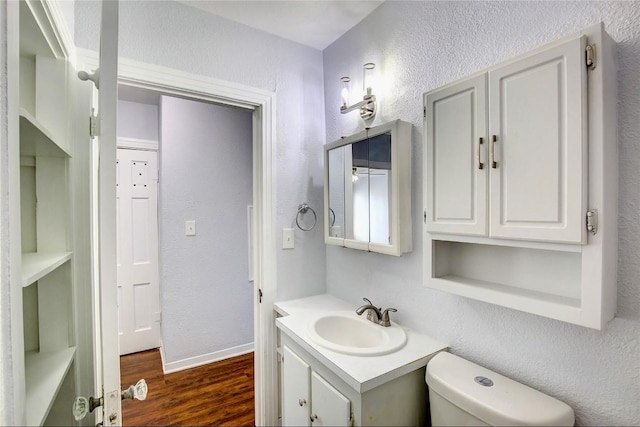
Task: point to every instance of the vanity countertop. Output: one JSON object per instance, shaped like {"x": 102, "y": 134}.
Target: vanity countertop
{"x": 362, "y": 373}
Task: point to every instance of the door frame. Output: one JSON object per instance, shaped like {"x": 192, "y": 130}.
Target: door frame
{"x": 262, "y": 103}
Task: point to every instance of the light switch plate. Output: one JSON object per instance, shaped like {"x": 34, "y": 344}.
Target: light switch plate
{"x": 189, "y": 228}
{"x": 288, "y": 238}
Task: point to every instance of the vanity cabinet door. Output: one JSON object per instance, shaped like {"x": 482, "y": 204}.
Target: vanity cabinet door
{"x": 296, "y": 399}
{"x": 329, "y": 407}
{"x": 456, "y": 158}
{"x": 537, "y": 130}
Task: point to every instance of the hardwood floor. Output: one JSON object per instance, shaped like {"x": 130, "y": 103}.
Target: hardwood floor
{"x": 220, "y": 393}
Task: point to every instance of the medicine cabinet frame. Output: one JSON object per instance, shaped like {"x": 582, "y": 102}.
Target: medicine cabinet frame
{"x": 400, "y": 236}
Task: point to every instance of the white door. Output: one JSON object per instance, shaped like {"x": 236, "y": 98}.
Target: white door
{"x": 103, "y": 195}
{"x": 137, "y": 240}
{"x": 296, "y": 390}
{"x": 537, "y": 110}
{"x": 328, "y": 406}
{"x": 456, "y": 158}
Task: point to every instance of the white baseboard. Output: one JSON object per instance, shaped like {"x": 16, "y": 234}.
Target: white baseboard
{"x": 192, "y": 362}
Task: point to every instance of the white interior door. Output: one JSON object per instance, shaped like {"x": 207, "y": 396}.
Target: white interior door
{"x": 137, "y": 240}
{"x": 107, "y": 358}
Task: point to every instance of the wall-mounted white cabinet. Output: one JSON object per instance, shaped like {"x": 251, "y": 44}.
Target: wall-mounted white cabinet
{"x": 515, "y": 158}
{"x": 47, "y": 375}
{"x": 506, "y": 150}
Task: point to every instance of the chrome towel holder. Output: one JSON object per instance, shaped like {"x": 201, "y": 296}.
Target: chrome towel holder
{"x": 303, "y": 208}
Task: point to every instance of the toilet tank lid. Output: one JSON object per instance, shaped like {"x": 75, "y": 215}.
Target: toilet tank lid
{"x": 500, "y": 401}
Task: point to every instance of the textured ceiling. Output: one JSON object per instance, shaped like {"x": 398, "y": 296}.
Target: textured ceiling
{"x": 315, "y": 23}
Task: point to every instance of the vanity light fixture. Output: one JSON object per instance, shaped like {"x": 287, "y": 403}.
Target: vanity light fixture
{"x": 368, "y": 104}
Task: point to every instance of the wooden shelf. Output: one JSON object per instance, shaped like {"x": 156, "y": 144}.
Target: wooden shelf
{"x": 36, "y": 140}
{"x": 44, "y": 375}
{"x": 36, "y": 265}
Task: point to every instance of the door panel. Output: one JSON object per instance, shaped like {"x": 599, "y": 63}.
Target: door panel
{"x": 456, "y": 180}
{"x": 329, "y": 406}
{"x": 107, "y": 358}
{"x": 296, "y": 397}
{"x": 537, "y": 113}
{"x": 137, "y": 224}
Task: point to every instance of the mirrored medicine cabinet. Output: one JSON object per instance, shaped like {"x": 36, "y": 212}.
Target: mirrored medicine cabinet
{"x": 367, "y": 190}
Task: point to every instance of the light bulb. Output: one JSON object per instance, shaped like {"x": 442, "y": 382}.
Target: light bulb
{"x": 345, "y": 91}
{"x": 368, "y": 78}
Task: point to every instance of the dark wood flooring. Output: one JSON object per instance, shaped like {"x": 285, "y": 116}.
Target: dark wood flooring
{"x": 216, "y": 394}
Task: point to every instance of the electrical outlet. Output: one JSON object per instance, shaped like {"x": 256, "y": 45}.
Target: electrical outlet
{"x": 288, "y": 238}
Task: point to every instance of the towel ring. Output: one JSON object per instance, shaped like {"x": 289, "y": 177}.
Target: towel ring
{"x": 303, "y": 209}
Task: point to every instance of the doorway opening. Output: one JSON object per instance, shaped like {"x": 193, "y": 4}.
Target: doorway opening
{"x": 262, "y": 104}
{"x": 184, "y": 203}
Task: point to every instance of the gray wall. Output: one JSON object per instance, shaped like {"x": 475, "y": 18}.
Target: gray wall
{"x": 206, "y": 176}
{"x": 137, "y": 120}
{"x": 173, "y": 35}
{"x": 419, "y": 46}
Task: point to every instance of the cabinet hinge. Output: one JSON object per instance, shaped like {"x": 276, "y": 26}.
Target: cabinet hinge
{"x": 94, "y": 125}
{"x": 590, "y": 57}
{"x": 592, "y": 221}
{"x": 260, "y": 296}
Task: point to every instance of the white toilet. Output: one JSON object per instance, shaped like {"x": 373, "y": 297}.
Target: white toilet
{"x": 462, "y": 393}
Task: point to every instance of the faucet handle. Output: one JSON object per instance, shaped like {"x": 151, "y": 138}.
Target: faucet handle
{"x": 367, "y": 300}
{"x": 385, "y": 320}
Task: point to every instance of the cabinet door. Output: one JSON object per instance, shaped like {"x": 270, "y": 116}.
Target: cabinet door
{"x": 537, "y": 116}
{"x": 329, "y": 407}
{"x": 456, "y": 158}
{"x": 295, "y": 390}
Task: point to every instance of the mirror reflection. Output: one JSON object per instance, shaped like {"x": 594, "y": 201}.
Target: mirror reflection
{"x": 359, "y": 190}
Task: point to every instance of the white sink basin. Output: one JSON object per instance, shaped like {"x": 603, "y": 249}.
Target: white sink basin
{"x": 346, "y": 332}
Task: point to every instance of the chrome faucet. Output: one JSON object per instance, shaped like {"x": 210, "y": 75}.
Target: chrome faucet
{"x": 375, "y": 314}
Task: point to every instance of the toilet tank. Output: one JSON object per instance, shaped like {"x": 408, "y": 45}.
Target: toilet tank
{"x": 463, "y": 393}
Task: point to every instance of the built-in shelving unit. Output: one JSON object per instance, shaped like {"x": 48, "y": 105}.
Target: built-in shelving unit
{"x": 46, "y": 237}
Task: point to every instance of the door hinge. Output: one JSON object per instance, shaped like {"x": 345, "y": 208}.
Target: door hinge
{"x": 424, "y": 216}
{"x": 590, "y": 56}
{"x": 94, "y": 124}
{"x": 260, "y": 296}
{"x": 592, "y": 221}
{"x": 424, "y": 112}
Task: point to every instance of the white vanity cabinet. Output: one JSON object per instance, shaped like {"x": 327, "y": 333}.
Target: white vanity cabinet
{"x": 313, "y": 395}
{"x": 506, "y": 150}
{"x": 308, "y": 398}
{"x": 520, "y": 182}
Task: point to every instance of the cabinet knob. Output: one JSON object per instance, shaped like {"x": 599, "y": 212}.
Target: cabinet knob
{"x": 302, "y": 402}
{"x": 313, "y": 417}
